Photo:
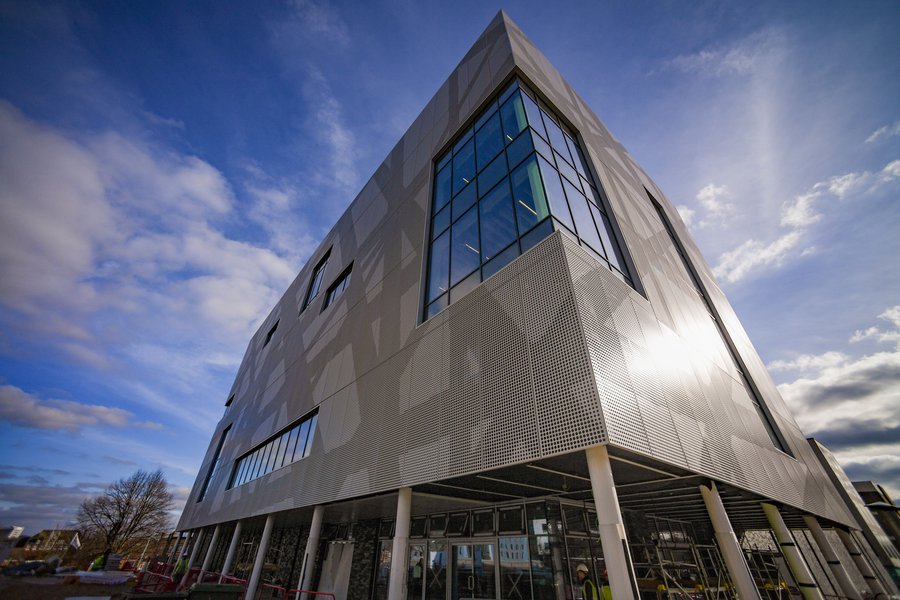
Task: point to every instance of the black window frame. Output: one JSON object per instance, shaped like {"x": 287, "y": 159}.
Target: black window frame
{"x": 271, "y": 333}
{"x": 341, "y": 281}
{"x": 315, "y": 280}
{"x": 214, "y": 465}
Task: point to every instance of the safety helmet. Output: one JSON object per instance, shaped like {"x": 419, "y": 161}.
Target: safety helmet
{"x": 582, "y": 568}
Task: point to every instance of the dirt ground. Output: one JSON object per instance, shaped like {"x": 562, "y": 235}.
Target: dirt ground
{"x": 52, "y": 588}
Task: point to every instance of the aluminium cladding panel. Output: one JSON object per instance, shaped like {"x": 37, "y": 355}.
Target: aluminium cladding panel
{"x": 500, "y": 377}
{"x": 366, "y": 349}
{"x": 668, "y": 385}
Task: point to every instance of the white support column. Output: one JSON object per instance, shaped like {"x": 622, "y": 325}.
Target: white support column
{"x": 207, "y": 560}
{"x": 728, "y": 544}
{"x": 312, "y": 545}
{"x": 232, "y": 548}
{"x": 260, "y": 558}
{"x": 862, "y": 564}
{"x": 834, "y": 563}
{"x": 186, "y": 545}
{"x": 805, "y": 581}
{"x": 174, "y": 556}
{"x": 397, "y": 585}
{"x": 194, "y": 551}
{"x": 622, "y": 581}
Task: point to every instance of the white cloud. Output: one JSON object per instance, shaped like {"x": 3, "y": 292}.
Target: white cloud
{"x": 712, "y": 198}
{"x": 320, "y": 19}
{"x": 26, "y": 410}
{"x": 687, "y": 214}
{"x": 713, "y": 207}
{"x": 98, "y": 232}
{"x": 329, "y": 126}
{"x": 892, "y": 316}
{"x": 741, "y": 58}
{"x": 884, "y": 132}
{"x": 800, "y": 212}
{"x": 797, "y": 215}
{"x": 807, "y": 361}
{"x": 753, "y": 255}
{"x": 852, "y": 405}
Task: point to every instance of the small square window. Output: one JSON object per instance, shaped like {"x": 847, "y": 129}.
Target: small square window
{"x": 337, "y": 288}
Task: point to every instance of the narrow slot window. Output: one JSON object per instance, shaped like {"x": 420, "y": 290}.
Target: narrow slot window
{"x": 315, "y": 283}
{"x": 270, "y": 334}
{"x": 764, "y": 417}
{"x": 214, "y": 466}
{"x": 337, "y": 288}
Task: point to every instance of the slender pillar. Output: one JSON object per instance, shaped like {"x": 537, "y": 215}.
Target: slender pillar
{"x": 312, "y": 545}
{"x": 862, "y": 564}
{"x": 805, "y": 581}
{"x": 260, "y": 558}
{"x": 622, "y": 581}
{"x": 174, "y": 556}
{"x": 232, "y": 548}
{"x": 194, "y": 551}
{"x": 207, "y": 560}
{"x": 397, "y": 585}
{"x": 834, "y": 563}
{"x": 728, "y": 544}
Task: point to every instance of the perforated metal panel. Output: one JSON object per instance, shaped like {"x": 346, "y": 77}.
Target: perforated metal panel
{"x": 551, "y": 354}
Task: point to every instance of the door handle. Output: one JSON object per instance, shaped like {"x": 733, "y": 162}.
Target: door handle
{"x": 471, "y": 583}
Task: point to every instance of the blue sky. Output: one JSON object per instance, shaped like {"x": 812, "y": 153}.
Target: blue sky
{"x": 166, "y": 168}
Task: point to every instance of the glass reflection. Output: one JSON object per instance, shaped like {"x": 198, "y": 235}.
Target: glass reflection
{"x": 465, "y": 255}
{"x": 491, "y": 205}
{"x": 488, "y": 141}
{"x": 498, "y": 226}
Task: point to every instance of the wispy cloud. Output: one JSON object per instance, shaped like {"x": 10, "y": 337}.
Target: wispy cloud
{"x": 754, "y": 255}
{"x": 713, "y": 207}
{"x": 801, "y": 211}
{"x": 806, "y": 362}
{"x": 329, "y": 120}
{"x": 892, "y": 316}
{"x": 884, "y": 132}
{"x": 317, "y": 18}
{"x": 27, "y": 410}
{"x": 687, "y": 213}
{"x": 797, "y": 216}
{"x": 115, "y": 226}
{"x": 740, "y": 58}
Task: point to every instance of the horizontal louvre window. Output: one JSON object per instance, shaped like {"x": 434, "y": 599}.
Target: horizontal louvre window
{"x": 287, "y": 446}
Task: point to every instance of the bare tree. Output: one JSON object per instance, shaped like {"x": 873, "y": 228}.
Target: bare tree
{"x": 130, "y": 511}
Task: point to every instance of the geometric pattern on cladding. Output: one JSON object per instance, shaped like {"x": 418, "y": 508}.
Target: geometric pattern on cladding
{"x": 505, "y": 378}
{"x": 699, "y": 416}
{"x": 403, "y": 409}
{"x": 568, "y": 407}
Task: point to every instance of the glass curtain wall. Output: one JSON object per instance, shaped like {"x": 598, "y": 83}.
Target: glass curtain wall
{"x": 509, "y": 180}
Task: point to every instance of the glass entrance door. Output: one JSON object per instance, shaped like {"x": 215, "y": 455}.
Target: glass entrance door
{"x": 473, "y": 570}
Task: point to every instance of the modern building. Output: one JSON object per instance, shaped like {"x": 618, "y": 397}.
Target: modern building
{"x": 883, "y": 508}
{"x": 506, "y": 360}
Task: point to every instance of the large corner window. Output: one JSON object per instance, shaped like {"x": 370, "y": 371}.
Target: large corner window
{"x": 215, "y": 464}
{"x": 315, "y": 283}
{"x": 285, "y": 447}
{"x": 761, "y": 410}
{"x": 509, "y": 180}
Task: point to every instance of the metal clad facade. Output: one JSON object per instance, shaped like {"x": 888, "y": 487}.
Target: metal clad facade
{"x": 551, "y": 354}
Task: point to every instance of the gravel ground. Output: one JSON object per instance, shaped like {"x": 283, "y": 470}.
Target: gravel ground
{"x": 52, "y": 588}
